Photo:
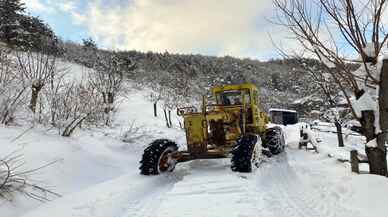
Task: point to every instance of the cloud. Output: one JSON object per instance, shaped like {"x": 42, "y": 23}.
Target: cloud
{"x": 37, "y": 6}
{"x": 53, "y": 8}
{"x": 223, "y": 27}
{"x": 67, "y": 6}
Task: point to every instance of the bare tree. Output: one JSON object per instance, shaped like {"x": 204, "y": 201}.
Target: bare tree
{"x": 325, "y": 83}
{"x": 72, "y": 104}
{"x": 163, "y": 85}
{"x": 323, "y": 79}
{"x": 107, "y": 78}
{"x": 37, "y": 70}
{"x": 323, "y": 27}
{"x": 157, "y": 87}
{"x": 155, "y": 97}
{"x": 53, "y": 94}
{"x": 13, "y": 179}
{"x": 11, "y": 88}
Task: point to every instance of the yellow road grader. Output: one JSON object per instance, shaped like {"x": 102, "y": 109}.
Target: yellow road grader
{"x": 233, "y": 126}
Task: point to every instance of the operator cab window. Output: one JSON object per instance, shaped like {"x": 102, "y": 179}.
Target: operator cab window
{"x": 247, "y": 99}
{"x": 230, "y": 98}
{"x": 256, "y": 97}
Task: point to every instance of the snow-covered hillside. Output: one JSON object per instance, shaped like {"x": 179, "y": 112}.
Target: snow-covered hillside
{"x": 98, "y": 176}
{"x": 90, "y": 157}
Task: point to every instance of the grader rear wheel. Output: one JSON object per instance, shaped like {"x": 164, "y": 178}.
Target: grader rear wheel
{"x": 158, "y": 157}
{"x": 274, "y": 140}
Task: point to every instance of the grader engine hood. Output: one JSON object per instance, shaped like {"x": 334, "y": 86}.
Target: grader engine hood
{"x": 196, "y": 133}
{"x": 218, "y": 127}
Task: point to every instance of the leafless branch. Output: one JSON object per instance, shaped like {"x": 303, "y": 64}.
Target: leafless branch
{"x": 13, "y": 180}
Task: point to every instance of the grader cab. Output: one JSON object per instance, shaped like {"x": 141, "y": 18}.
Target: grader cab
{"x": 232, "y": 126}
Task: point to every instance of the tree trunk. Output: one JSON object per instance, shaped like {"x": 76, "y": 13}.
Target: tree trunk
{"x": 377, "y": 160}
{"x": 367, "y": 123}
{"x": 7, "y": 34}
{"x": 169, "y": 118}
{"x": 383, "y": 98}
{"x": 376, "y": 155}
{"x": 107, "y": 98}
{"x": 383, "y": 119}
{"x": 40, "y": 111}
{"x": 53, "y": 116}
{"x": 155, "y": 109}
{"x": 339, "y": 134}
{"x": 105, "y": 101}
{"x": 166, "y": 118}
{"x": 35, "y": 89}
{"x": 354, "y": 161}
{"x": 111, "y": 99}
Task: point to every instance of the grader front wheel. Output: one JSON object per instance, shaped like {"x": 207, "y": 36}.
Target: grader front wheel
{"x": 245, "y": 153}
{"x": 158, "y": 157}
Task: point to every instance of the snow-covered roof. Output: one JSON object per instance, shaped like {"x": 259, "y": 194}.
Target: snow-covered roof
{"x": 281, "y": 110}
{"x": 308, "y": 98}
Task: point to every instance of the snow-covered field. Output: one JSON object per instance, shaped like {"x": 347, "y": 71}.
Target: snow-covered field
{"x": 98, "y": 176}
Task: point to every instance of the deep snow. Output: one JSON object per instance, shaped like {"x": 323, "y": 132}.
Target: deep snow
{"x": 98, "y": 176}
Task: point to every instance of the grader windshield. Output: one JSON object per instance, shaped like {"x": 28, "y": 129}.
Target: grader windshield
{"x": 242, "y": 98}
{"x": 233, "y": 97}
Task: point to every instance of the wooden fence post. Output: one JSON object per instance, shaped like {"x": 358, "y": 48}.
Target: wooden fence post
{"x": 354, "y": 161}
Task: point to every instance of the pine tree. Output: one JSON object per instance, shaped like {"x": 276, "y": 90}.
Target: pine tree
{"x": 36, "y": 35}
{"x": 89, "y": 44}
{"x": 10, "y": 11}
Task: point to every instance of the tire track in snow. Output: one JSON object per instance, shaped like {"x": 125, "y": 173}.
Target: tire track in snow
{"x": 209, "y": 190}
{"x": 287, "y": 195}
{"x": 146, "y": 205}
{"x": 282, "y": 192}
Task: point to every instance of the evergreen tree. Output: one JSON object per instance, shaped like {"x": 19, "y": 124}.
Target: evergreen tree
{"x": 36, "y": 35}
{"x": 10, "y": 10}
{"x": 89, "y": 44}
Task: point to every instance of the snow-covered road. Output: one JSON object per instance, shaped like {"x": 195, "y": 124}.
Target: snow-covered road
{"x": 287, "y": 185}
{"x": 274, "y": 190}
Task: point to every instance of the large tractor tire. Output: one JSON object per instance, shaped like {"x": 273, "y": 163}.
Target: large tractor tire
{"x": 245, "y": 153}
{"x": 274, "y": 140}
{"x": 158, "y": 157}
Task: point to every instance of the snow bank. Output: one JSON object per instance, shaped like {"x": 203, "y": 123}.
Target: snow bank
{"x": 329, "y": 141}
{"x": 108, "y": 199}
{"x": 369, "y": 194}
{"x": 344, "y": 193}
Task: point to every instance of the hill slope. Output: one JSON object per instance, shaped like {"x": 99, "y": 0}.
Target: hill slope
{"x": 282, "y": 82}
